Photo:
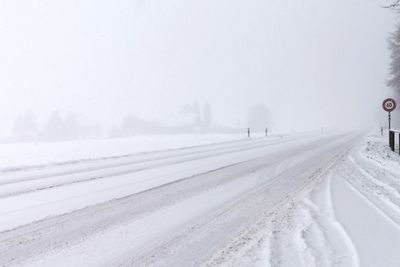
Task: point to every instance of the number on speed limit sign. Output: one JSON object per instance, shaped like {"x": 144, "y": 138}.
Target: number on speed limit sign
{"x": 389, "y": 105}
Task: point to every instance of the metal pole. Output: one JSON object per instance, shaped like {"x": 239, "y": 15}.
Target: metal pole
{"x": 390, "y": 134}
{"x": 390, "y": 121}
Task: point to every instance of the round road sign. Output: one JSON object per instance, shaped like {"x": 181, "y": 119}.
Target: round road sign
{"x": 389, "y": 104}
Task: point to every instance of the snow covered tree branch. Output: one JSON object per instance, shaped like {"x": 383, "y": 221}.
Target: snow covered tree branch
{"x": 394, "y": 46}
{"x": 394, "y": 4}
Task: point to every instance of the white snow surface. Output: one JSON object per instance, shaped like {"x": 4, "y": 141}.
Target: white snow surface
{"x": 21, "y": 155}
{"x": 316, "y": 199}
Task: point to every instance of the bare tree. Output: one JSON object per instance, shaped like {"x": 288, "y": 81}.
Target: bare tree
{"x": 393, "y": 5}
{"x": 394, "y": 46}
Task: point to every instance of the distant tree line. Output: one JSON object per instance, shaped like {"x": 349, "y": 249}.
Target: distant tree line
{"x": 56, "y": 128}
{"x": 196, "y": 119}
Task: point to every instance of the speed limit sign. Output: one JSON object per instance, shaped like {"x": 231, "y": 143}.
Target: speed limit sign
{"x": 389, "y": 104}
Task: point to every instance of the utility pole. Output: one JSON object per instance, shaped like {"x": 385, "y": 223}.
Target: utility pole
{"x": 266, "y": 132}
{"x": 248, "y": 132}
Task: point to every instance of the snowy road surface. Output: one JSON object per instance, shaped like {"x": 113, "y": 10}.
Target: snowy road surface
{"x": 304, "y": 200}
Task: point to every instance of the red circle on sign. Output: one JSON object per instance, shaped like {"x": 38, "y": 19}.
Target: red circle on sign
{"x": 389, "y": 104}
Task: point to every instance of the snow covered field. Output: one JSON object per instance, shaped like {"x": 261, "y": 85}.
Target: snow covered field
{"x": 31, "y": 154}
{"x": 316, "y": 199}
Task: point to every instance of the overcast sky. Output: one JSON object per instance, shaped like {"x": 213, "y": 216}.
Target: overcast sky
{"x": 312, "y": 62}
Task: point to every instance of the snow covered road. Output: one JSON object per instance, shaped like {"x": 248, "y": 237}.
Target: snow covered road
{"x": 248, "y": 202}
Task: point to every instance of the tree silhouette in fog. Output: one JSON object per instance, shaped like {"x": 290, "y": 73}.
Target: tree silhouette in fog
{"x": 55, "y": 128}
{"x": 207, "y": 117}
{"x": 25, "y": 124}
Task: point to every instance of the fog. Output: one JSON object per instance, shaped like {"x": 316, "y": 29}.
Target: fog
{"x": 314, "y": 64}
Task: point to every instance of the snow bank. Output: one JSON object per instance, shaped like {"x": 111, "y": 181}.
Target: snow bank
{"x": 377, "y": 150}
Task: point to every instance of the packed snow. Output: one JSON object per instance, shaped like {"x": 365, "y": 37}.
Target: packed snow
{"x": 311, "y": 199}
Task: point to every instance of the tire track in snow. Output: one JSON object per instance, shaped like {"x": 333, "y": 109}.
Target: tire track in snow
{"x": 139, "y": 155}
{"x": 313, "y": 234}
{"x": 275, "y": 244}
{"x": 303, "y": 232}
{"x": 377, "y": 193}
{"x": 372, "y": 169}
{"x": 338, "y": 248}
{"x": 40, "y": 203}
{"x": 34, "y": 237}
{"x": 86, "y": 165}
{"x": 246, "y": 235}
{"x": 374, "y": 233}
{"x": 14, "y": 187}
{"x": 384, "y": 182}
{"x": 231, "y": 216}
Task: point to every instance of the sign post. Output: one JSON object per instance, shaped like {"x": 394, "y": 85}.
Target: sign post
{"x": 389, "y": 105}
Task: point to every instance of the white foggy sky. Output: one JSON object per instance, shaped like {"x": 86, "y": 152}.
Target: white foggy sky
{"x": 312, "y": 62}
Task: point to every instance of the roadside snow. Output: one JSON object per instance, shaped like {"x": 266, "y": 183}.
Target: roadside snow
{"x": 377, "y": 150}
{"x": 373, "y": 233}
{"x": 351, "y": 218}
